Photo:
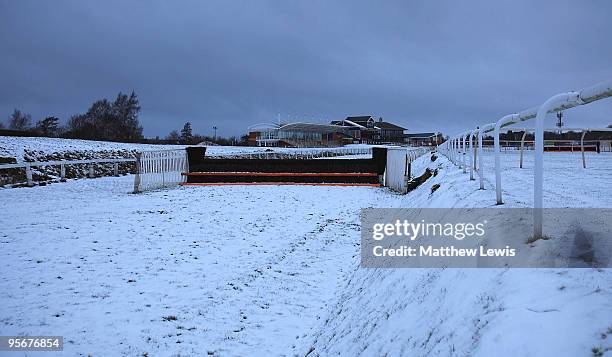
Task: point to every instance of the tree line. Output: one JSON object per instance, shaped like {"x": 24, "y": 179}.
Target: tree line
{"x": 109, "y": 121}
{"x": 105, "y": 120}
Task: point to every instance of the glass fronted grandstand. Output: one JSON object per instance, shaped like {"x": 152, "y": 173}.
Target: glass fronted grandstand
{"x": 299, "y": 135}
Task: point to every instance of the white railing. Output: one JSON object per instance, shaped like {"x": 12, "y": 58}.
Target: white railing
{"x": 455, "y": 147}
{"x": 62, "y": 164}
{"x": 160, "y": 168}
{"x": 397, "y": 172}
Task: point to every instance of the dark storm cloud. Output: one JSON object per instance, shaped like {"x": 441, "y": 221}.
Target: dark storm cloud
{"x": 428, "y": 65}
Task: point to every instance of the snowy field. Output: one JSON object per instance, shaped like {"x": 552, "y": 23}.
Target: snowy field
{"x": 273, "y": 270}
{"x": 235, "y": 265}
{"x": 566, "y": 182}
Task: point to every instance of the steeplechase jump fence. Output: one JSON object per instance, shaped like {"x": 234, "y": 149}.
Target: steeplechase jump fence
{"x": 456, "y": 148}
{"x": 280, "y": 170}
{"x": 167, "y": 168}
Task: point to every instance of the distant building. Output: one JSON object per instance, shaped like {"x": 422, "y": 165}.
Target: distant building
{"x": 368, "y": 130}
{"x": 299, "y": 135}
{"x": 423, "y": 139}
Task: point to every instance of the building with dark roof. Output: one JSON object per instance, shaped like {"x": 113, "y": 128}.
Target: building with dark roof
{"x": 299, "y": 135}
{"x": 368, "y": 130}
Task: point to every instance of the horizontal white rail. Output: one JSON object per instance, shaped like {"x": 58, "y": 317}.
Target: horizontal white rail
{"x": 456, "y": 146}
{"x": 62, "y": 164}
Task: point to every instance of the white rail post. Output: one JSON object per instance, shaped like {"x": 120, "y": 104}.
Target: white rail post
{"x": 91, "y": 170}
{"x": 479, "y": 155}
{"x": 582, "y": 148}
{"x": 480, "y": 166}
{"x": 63, "y": 173}
{"x": 538, "y": 179}
{"x": 459, "y": 161}
{"x": 507, "y": 119}
{"x": 28, "y": 170}
{"x": 456, "y": 152}
{"x": 137, "y": 174}
{"x": 472, "y": 154}
{"x": 464, "y": 153}
{"x": 522, "y": 144}
{"x": 116, "y": 169}
{"x": 476, "y": 150}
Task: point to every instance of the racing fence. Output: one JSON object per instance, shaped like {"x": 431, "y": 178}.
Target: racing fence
{"x": 469, "y": 144}
{"x": 159, "y": 169}
{"x": 398, "y": 171}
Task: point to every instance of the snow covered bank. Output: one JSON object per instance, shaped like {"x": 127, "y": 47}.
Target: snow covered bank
{"x": 479, "y": 312}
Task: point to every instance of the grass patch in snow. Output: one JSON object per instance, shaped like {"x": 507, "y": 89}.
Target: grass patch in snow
{"x": 418, "y": 181}
{"x": 435, "y": 187}
{"x": 534, "y": 239}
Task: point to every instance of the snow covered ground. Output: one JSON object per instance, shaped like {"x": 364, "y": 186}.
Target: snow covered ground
{"x": 481, "y": 312}
{"x": 566, "y": 182}
{"x": 268, "y": 270}
{"x": 245, "y": 270}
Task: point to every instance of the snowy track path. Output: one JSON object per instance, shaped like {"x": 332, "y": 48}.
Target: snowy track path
{"x": 235, "y": 266}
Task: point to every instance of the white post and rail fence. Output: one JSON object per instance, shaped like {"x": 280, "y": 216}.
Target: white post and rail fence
{"x": 456, "y": 147}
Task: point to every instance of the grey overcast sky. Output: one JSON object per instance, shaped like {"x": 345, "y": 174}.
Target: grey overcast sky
{"x": 426, "y": 65}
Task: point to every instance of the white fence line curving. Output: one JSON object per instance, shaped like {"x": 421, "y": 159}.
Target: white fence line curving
{"x": 161, "y": 168}
{"x": 452, "y": 148}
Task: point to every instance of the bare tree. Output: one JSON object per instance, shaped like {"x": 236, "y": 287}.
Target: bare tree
{"x": 173, "y": 136}
{"x": 20, "y": 121}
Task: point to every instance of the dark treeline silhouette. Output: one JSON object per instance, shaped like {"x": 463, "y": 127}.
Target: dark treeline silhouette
{"x": 106, "y": 120}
